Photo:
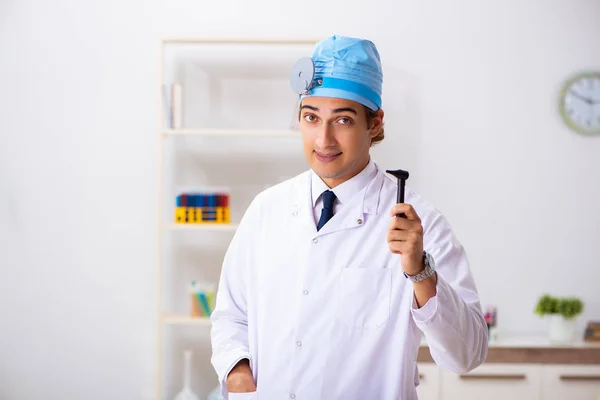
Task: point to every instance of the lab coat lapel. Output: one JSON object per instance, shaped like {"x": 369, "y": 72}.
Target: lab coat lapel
{"x": 352, "y": 215}
{"x": 301, "y": 202}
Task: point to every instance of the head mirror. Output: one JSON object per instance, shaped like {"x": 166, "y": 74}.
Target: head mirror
{"x": 302, "y": 75}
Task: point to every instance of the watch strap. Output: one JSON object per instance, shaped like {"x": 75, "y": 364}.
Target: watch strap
{"x": 427, "y": 272}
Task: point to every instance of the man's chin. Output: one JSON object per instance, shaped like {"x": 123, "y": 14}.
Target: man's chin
{"x": 327, "y": 173}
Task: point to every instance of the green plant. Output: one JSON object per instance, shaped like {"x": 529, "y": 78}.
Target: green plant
{"x": 546, "y": 305}
{"x": 568, "y": 307}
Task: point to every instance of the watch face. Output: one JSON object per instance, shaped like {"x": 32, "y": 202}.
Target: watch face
{"x": 430, "y": 261}
{"x": 580, "y": 103}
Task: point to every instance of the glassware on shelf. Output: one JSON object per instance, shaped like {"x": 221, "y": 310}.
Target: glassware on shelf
{"x": 186, "y": 393}
{"x": 216, "y": 394}
{"x": 202, "y": 298}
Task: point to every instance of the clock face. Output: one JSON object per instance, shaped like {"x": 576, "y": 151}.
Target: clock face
{"x": 580, "y": 103}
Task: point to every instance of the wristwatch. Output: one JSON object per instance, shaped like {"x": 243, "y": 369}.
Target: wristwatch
{"x": 427, "y": 272}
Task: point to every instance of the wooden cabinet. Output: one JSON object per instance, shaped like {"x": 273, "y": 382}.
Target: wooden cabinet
{"x": 526, "y": 368}
{"x": 571, "y": 382}
{"x": 511, "y": 381}
{"x": 493, "y": 382}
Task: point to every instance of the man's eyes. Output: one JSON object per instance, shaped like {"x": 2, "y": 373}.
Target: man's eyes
{"x": 341, "y": 121}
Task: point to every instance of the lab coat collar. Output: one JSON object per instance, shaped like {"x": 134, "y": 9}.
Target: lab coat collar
{"x": 347, "y": 190}
{"x": 366, "y": 202}
{"x": 372, "y": 192}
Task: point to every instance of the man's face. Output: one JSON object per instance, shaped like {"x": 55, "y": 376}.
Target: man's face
{"x": 336, "y": 137}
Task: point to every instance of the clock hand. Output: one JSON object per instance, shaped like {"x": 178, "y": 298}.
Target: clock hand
{"x": 580, "y": 97}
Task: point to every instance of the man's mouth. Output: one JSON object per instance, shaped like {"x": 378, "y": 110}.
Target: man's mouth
{"x": 327, "y": 157}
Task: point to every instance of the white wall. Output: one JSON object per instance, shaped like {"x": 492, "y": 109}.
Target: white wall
{"x": 471, "y": 102}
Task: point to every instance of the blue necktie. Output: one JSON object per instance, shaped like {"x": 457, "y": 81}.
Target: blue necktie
{"x": 327, "y": 212}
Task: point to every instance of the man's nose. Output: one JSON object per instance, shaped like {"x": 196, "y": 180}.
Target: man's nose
{"x": 325, "y": 137}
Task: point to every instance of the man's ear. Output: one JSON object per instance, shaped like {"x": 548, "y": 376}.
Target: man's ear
{"x": 376, "y": 123}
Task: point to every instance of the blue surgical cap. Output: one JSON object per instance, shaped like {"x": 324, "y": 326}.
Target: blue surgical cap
{"x": 347, "y": 68}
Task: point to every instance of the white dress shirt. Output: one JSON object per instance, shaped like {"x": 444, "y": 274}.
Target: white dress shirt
{"x": 329, "y": 314}
{"x": 343, "y": 192}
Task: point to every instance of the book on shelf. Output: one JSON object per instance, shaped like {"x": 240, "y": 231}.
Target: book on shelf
{"x": 173, "y": 105}
{"x": 592, "y": 332}
{"x": 198, "y": 207}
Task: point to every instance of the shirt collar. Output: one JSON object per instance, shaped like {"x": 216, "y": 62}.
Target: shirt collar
{"x": 346, "y": 190}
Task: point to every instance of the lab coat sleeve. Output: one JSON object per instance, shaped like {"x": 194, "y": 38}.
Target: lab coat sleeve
{"x": 452, "y": 321}
{"x": 229, "y": 319}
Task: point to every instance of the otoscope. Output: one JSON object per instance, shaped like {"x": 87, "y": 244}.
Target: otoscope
{"x": 402, "y": 176}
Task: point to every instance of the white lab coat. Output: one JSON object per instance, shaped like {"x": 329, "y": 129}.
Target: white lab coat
{"x": 329, "y": 315}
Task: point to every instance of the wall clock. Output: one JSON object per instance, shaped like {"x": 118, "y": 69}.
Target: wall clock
{"x": 579, "y": 102}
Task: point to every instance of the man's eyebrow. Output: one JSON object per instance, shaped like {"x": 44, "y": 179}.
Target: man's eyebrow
{"x": 345, "y": 109}
{"x": 309, "y": 107}
{"x": 335, "y": 110}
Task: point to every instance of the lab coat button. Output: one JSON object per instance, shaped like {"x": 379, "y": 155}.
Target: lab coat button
{"x": 292, "y": 396}
{"x": 305, "y": 292}
{"x": 315, "y": 240}
{"x": 298, "y": 343}
{"x": 359, "y": 221}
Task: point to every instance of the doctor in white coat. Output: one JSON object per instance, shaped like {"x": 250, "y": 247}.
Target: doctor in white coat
{"x": 324, "y": 292}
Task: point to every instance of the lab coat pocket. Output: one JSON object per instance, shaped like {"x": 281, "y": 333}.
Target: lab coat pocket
{"x": 364, "y": 300}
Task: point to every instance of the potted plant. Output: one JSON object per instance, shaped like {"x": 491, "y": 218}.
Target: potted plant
{"x": 562, "y": 313}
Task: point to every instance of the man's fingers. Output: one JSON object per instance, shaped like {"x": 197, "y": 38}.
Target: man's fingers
{"x": 405, "y": 235}
{"x": 406, "y": 209}
{"x": 402, "y": 236}
{"x": 406, "y": 224}
{"x": 397, "y": 247}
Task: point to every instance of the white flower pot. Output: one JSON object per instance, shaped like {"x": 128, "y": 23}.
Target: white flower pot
{"x": 561, "y": 329}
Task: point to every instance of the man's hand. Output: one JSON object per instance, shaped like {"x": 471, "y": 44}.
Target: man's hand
{"x": 405, "y": 237}
{"x": 240, "y": 379}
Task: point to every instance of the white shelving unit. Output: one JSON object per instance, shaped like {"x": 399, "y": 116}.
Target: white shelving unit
{"x": 174, "y": 319}
{"x": 236, "y": 125}
{"x": 229, "y": 132}
{"x": 201, "y": 227}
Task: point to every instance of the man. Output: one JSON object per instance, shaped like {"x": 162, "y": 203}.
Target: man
{"x": 325, "y": 292}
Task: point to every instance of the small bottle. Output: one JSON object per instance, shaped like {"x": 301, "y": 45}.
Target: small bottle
{"x": 216, "y": 394}
{"x": 186, "y": 393}
{"x": 491, "y": 319}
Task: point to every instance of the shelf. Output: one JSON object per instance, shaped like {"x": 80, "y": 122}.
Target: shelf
{"x": 201, "y": 227}
{"x": 232, "y": 132}
{"x": 240, "y": 40}
{"x": 171, "y": 319}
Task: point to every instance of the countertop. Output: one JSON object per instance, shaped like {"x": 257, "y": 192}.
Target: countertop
{"x": 533, "y": 342}
{"x": 533, "y": 350}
